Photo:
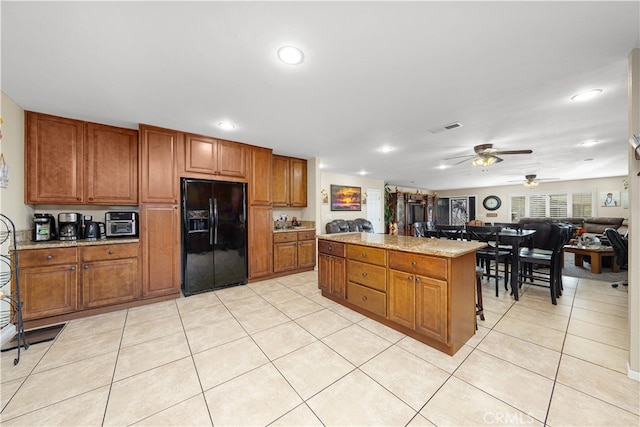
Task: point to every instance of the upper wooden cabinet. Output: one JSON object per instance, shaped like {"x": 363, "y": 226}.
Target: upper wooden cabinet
{"x": 289, "y": 181}
{"x": 158, "y": 166}
{"x": 73, "y": 162}
{"x": 53, "y": 159}
{"x": 260, "y": 174}
{"x": 112, "y": 165}
{"x": 215, "y": 156}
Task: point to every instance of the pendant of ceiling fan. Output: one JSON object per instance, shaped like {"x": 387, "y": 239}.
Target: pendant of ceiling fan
{"x": 486, "y": 155}
{"x": 531, "y": 180}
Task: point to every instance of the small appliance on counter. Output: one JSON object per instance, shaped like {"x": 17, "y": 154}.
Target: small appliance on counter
{"x": 121, "y": 224}
{"x": 69, "y": 223}
{"x": 44, "y": 227}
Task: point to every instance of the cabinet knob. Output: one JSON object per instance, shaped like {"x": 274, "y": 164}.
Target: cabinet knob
{"x": 409, "y": 277}
{"x": 90, "y": 198}
{"x": 364, "y": 298}
{"x": 73, "y": 268}
{"x": 364, "y": 274}
{"x": 49, "y": 256}
{"x": 86, "y": 266}
{"x": 364, "y": 255}
{"x": 413, "y": 263}
{"x": 110, "y": 252}
{"x": 417, "y": 280}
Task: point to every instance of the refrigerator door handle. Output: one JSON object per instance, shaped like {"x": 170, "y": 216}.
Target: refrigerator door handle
{"x": 211, "y": 226}
{"x": 215, "y": 219}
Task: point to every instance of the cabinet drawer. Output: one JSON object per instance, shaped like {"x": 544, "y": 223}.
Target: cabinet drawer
{"x": 306, "y": 235}
{"x": 369, "y": 275}
{"x": 366, "y": 254}
{"x": 285, "y": 237}
{"x": 418, "y": 264}
{"x": 106, "y": 252}
{"x": 369, "y": 299}
{"x": 331, "y": 248}
{"x": 43, "y": 257}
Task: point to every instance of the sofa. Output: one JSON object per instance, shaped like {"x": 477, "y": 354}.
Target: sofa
{"x": 593, "y": 226}
{"x": 360, "y": 225}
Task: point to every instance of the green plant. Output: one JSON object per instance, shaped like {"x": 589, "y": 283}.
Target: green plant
{"x": 389, "y": 212}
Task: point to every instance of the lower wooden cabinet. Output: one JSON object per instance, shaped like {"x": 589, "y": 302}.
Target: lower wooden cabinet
{"x": 109, "y": 274}
{"x": 260, "y": 229}
{"x": 294, "y": 251}
{"x": 332, "y": 268}
{"x": 48, "y": 291}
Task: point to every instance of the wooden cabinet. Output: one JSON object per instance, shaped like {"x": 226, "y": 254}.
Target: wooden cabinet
{"x": 332, "y": 268}
{"x": 432, "y": 317}
{"x": 158, "y": 165}
{"x": 306, "y": 249}
{"x": 367, "y": 278}
{"x": 260, "y": 231}
{"x": 111, "y": 165}
{"x": 260, "y": 177}
{"x": 212, "y": 156}
{"x": 109, "y": 274}
{"x": 289, "y": 181}
{"x": 294, "y": 251}
{"x": 48, "y": 282}
{"x": 53, "y": 159}
{"x": 73, "y": 162}
{"x": 160, "y": 245}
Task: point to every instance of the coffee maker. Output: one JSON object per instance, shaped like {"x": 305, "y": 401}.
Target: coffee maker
{"x": 44, "y": 227}
{"x": 69, "y": 224}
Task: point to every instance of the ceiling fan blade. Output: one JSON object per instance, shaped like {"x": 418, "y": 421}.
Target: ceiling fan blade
{"x": 498, "y": 159}
{"x": 514, "y": 152}
{"x": 463, "y": 160}
{"x": 466, "y": 156}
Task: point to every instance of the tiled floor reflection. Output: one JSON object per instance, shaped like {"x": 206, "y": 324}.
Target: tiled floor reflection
{"x": 277, "y": 353}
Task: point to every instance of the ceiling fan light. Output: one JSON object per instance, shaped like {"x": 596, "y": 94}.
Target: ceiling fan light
{"x": 484, "y": 161}
{"x": 531, "y": 183}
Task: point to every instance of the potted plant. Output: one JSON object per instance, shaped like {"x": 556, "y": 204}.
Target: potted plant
{"x": 389, "y": 211}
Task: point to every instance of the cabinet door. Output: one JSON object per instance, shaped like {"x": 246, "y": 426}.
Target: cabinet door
{"x": 53, "y": 159}
{"x": 285, "y": 256}
{"x": 111, "y": 162}
{"x": 306, "y": 253}
{"x": 260, "y": 228}
{"x": 200, "y": 154}
{"x": 260, "y": 181}
{"x": 401, "y": 298}
{"x": 158, "y": 166}
{"x": 280, "y": 181}
{"x": 298, "y": 182}
{"x": 160, "y": 244}
{"x": 48, "y": 291}
{"x": 324, "y": 272}
{"x": 109, "y": 282}
{"x": 431, "y": 308}
{"x": 339, "y": 277}
{"x": 231, "y": 159}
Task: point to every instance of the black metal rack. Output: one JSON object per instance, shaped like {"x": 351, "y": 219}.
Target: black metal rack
{"x": 9, "y": 270}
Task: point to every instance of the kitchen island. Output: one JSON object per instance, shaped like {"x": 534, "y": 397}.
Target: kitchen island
{"x": 424, "y": 288}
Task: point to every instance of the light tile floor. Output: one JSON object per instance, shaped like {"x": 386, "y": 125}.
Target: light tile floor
{"x": 277, "y": 353}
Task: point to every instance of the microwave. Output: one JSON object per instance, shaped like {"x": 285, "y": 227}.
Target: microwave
{"x": 121, "y": 224}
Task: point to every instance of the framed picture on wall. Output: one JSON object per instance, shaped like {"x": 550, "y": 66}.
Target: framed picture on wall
{"x": 610, "y": 198}
{"x": 346, "y": 198}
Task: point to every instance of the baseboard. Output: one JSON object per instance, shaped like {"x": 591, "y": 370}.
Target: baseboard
{"x": 634, "y": 375}
{"x": 8, "y": 332}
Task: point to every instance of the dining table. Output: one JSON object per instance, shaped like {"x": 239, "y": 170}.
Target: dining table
{"x": 514, "y": 238}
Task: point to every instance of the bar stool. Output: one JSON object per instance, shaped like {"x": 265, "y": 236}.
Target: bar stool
{"x": 479, "y": 309}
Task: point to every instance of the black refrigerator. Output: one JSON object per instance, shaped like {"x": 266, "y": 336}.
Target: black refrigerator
{"x": 214, "y": 235}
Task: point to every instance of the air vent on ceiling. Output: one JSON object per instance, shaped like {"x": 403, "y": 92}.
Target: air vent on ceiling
{"x": 443, "y": 128}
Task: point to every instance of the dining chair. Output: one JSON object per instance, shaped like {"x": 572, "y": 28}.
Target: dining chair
{"x": 451, "y": 232}
{"x": 545, "y": 251}
{"x": 493, "y": 254}
{"x": 420, "y": 229}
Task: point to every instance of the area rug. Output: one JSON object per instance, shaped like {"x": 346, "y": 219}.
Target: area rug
{"x": 35, "y": 336}
{"x": 584, "y": 272}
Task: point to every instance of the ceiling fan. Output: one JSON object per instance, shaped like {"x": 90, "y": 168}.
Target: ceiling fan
{"x": 531, "y": 181}
{"x": 486, "y": 155}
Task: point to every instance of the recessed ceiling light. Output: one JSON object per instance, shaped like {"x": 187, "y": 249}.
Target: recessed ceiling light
{"x": 385, "y": 149}
{"x": 442, "y": 167}
{"x": 290, "y": 55}
{"x": 226, "y": 125}
{"x": 587, "y": 94}
{"x": 589, "y": 143}
{"x": 363, "y": 172}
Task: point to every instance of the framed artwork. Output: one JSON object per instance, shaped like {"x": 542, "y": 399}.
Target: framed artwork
{"x": 345, "y": 198}
{"x": 610, "y": 198}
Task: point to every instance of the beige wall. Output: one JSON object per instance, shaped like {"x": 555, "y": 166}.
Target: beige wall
{"x": 596, "y": 186}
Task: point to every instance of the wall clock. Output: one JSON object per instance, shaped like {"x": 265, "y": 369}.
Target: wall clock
{"x": 491, "y": 203}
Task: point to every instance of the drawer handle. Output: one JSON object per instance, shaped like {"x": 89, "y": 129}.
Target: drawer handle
{"x": 49, "y": 256}
{"x": 364, "y": 298}
{"x": 413, "y": 263}
{"x": 86, "y": 266}
{"x": 364, "y": 274}
{"x": 364, "y": 255}
{"x": 110, "y": 252}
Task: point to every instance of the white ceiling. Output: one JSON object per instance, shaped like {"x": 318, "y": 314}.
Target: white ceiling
{"x": 375, "y": 73}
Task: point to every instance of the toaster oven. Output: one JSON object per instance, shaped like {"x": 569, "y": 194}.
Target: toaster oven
{"x": 121, "y": 224}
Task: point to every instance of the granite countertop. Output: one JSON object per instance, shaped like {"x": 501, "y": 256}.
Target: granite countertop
{"x": 49, "y": 244}
{"x": 438, "y": 247}
{"x": 290, "y": 229}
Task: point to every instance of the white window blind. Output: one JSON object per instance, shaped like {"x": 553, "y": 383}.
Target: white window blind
{"x": 558, "y": 206}
{"x": 538, "y": 206}
{"x": 518, "y": 208}
{"x": 582, "y": 205}
{"x": 551, "y": 205}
